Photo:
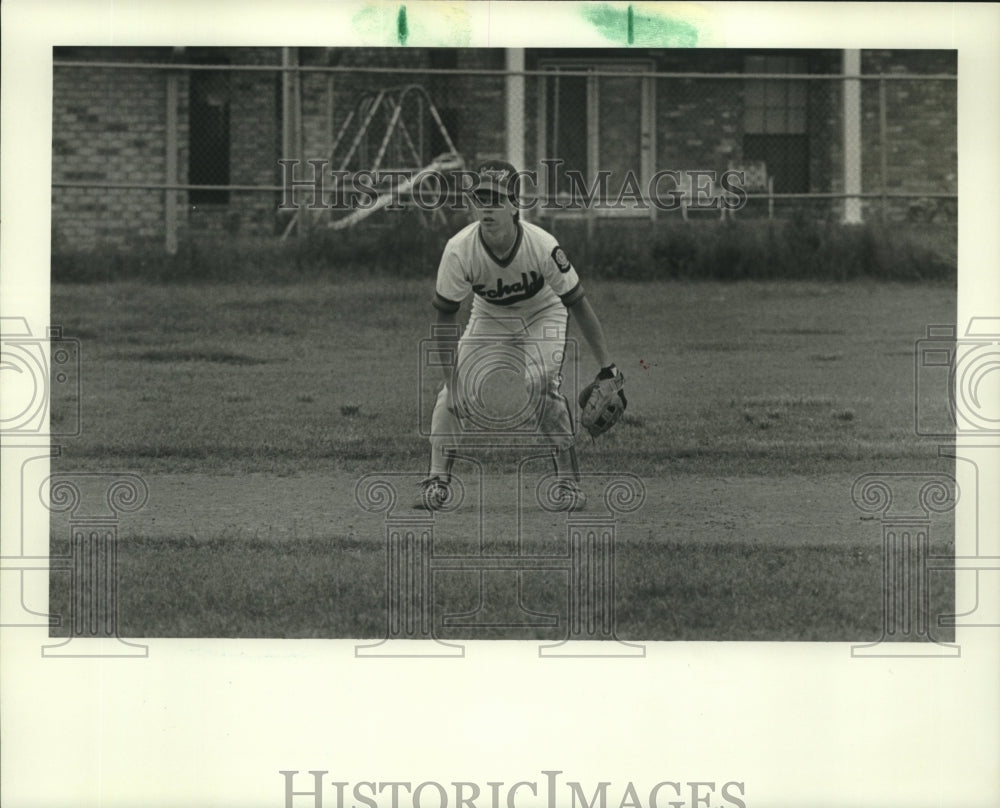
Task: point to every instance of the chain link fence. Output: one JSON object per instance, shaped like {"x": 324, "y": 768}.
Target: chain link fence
{"x": 160, "y": 145}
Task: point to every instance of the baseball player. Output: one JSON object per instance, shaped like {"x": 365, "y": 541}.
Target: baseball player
{"x": 524, "y": 286}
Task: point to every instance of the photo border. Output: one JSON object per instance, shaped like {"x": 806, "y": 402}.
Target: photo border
{"x": 213, "y": 722}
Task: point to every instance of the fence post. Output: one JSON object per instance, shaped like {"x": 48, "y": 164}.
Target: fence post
{"x": 286, "y": 98}
{"x": 883, "y": 143}
{"x": 170, "y": 196}
{"x": 299, "y": 128}
{"x": 515, "y": 108}
{"x": 593, "y": 147}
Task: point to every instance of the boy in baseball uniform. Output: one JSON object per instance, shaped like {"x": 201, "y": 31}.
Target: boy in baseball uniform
{"x": 523, "y": 288}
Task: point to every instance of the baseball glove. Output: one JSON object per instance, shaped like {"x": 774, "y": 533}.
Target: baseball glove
{"x": 603, "y": 401}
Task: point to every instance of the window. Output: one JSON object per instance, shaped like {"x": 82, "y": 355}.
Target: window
{"x": 775, "y": 107}
{"x": 775, "y": 120}
{"x": 208, "y": 152}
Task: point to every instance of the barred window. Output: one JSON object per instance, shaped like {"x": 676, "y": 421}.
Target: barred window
{"x": 775, "y": 107}
{"x": 775, "y": 120}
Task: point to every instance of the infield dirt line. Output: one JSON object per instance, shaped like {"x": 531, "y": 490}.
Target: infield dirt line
{"x": 784, "y": 511}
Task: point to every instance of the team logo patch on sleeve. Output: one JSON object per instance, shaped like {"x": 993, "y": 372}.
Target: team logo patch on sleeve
{"x": 562, "y": 262}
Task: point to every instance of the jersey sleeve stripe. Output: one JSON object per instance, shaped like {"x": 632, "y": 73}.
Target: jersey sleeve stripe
{"x": 445, "y": 305}
{"x": 573, "y": 296}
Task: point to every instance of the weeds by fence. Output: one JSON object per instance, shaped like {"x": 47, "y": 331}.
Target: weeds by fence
{"x": 794, "y": 248}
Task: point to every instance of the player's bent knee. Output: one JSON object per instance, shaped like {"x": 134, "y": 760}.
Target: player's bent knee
{"x": 547, "y": 384}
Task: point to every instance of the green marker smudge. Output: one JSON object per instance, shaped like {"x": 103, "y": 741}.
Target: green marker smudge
{"x": 439, "y": 24}
{"x": 641, "y": 28}
{"x": 401, "y": 30}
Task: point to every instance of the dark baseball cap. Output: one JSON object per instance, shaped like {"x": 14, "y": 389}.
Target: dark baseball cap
{"x": 497, "y": 175}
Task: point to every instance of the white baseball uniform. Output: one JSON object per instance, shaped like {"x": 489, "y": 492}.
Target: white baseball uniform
{"x": 518, "y": 319}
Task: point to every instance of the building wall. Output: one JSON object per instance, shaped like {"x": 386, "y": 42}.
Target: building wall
{"x": 921, "y": 151}
{"x": 109, "y": 126}
{"x": 700, "y": 121}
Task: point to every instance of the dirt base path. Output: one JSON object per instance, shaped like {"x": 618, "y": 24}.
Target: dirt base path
{"x": 787, "y": 511}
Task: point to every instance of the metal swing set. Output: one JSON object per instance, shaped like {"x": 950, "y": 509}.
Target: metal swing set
{"x": 356, "y": 136}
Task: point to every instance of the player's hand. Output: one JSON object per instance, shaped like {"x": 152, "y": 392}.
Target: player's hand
{"x": 603, "y": 401}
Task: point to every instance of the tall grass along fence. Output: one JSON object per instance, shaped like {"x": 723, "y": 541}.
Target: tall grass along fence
{"x": 797, "y": 248}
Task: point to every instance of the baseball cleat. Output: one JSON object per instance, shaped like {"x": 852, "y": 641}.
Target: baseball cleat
{"x": 568, "y": 496}
{"x": 433, "y": 495}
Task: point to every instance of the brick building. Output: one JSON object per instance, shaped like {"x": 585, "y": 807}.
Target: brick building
{"x": 202, "y": 123}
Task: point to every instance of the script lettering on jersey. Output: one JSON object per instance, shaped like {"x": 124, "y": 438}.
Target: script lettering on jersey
{"x": 505, "y": 294}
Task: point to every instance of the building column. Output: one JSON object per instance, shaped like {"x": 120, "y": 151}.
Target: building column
{"x": 852, "y": 137}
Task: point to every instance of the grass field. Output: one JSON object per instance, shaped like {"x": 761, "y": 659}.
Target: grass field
{"x": 252, "y": 411}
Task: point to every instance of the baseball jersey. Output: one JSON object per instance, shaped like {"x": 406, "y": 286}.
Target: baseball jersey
{"x": 535, "y": 274}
